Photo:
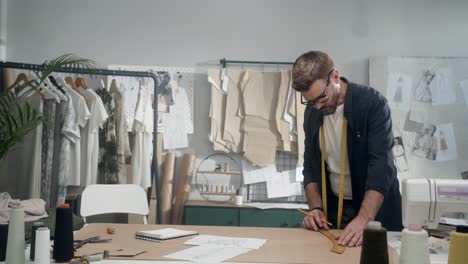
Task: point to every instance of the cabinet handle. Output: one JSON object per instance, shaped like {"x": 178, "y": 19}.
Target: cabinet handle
{"x": 284, "y": 224}
{"x": 298, "y": 225}
{"x": 230, "y": 223}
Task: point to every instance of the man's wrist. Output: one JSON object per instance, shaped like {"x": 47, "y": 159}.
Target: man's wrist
{"x": 316, "y": 208}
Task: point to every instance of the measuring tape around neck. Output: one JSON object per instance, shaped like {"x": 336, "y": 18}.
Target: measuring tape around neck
{"x": 342, "y": 172}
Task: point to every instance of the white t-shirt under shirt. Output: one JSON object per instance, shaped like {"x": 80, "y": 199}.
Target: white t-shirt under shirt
{"x": 90, "y": 137}
{"x": 333, "y": 127}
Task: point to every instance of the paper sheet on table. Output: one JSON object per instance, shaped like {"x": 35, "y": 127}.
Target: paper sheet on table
{"x": 278, "y": 205}
{"x": 453, "y": 221}
{"x": 222, "y": 241}
{"x": 208, "y": 253}
{"x": 254, "y": 174}
{"x": 283, "y": 184}
{"x": 174, "y": 131}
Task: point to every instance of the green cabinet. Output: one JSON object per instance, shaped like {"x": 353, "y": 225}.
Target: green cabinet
{"x": 265, "y": 218}
{"x": 204, "y": 214}
{"x": 211, "y": 216}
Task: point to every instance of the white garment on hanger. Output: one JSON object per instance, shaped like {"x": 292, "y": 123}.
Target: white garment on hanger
{"x": 82, "y": 116}
{"x": 90, "y": 138}
{"x": 143, "y": 147}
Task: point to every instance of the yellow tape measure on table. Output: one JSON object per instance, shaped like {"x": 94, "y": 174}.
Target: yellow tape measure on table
{"x": 342, "y": 172}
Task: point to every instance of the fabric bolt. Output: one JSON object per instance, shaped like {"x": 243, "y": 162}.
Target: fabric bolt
{"x": 283, "y": 126}
{"x": 258, "y": 138}
{"x": 300, "y": 109}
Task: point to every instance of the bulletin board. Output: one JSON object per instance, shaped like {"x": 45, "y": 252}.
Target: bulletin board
{"x": 428, "y": 98}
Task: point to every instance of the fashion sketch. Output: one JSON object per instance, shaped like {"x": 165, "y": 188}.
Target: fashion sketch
{"x": 399, "y": 155}
{"x": 425, "y": 145}
{"x": 423, "y": 91}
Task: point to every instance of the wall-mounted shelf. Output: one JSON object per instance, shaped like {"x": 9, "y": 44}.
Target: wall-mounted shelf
{"x": 222, "y": 172}
{"x": 217, "y": 193}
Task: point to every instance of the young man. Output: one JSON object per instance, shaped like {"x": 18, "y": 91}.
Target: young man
{"x": 348, "y": 159}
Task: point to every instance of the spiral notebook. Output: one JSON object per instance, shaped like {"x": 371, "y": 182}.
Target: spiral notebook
{"x": 163, "y": 234}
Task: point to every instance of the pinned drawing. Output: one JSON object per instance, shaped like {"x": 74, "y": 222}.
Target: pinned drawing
{"x": 399, "y": 91}
{"x": 423, "y": 92}
{"x": 447, "y": 149}
{"x": 443, "y": 92}
{"x": 425, "y": 145}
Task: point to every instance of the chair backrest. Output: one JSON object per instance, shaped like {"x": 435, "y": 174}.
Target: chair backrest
{"x": 114, "y": 198}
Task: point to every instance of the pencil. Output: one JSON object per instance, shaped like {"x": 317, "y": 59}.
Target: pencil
{"x": 321, "y": 219}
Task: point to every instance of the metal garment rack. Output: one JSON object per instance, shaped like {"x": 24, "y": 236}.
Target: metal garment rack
{"x": 224, "y": 62}
{"x": 107, "y": 72}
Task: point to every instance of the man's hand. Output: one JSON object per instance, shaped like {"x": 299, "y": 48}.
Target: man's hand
{"x": 314, "y": 222}
{"x": 352, "y": 235}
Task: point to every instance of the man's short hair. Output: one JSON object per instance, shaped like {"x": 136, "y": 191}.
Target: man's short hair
{"x": 310, "y": 67}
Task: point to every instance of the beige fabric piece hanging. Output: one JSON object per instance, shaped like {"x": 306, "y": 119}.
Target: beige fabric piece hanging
{"x": 259, "y": 141}
{"x": 261, "y": 137}
{"x": 232, "y": 132}
{"x": 282, "y": 125}
{"x": 166, "y": 188}
{"x": 217, "y": 111}
{"x": 183, "y": 187}
{"x": 300, "y": 108}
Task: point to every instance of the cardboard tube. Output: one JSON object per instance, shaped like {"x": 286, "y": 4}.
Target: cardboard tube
{"x": 167, "y": 182}
{"x": 183, "y": 187}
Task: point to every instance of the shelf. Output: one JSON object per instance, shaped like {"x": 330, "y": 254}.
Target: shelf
{"x": 217, "y": 193}
{"x": 222, "y": 172}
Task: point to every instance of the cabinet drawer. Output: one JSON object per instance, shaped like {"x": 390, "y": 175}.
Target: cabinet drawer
{"x": 265, "y": 218}
{"x": 211, "y": 216}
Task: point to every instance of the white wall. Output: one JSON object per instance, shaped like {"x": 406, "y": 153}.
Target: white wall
{"x": 188, "y": 33}
{"x": 3, "y": 19}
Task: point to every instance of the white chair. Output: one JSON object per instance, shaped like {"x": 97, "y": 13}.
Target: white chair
{"x": 114, "y": 198}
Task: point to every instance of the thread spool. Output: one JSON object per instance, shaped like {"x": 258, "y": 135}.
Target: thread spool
{"x": 458, "y": 250}
{"x": 374, "y": 244}
{"x": 414, "y": 246}
{"x": 63, "y": 238}
{"x": 16, "y": 243}
{"x": 42, "y": 246}
{"x": 35, "y": 226}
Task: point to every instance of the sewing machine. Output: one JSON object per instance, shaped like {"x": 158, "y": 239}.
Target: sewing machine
{"x": 426, "y": 200}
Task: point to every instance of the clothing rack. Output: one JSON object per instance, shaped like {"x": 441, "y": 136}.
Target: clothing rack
{"x": 224, "y": 62}
{"x": 107, "y": 72}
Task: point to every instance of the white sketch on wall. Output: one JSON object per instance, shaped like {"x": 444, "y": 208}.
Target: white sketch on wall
{"x": 164, "y": 87}
{"x": 446, "y": 147}
{"x": 423, "y": 92}
{"x": 399, "y": 88}
{"x": 443, "y": 91}
{"x": 464, "y": 88}
{"x": 399, "y": 155}
{"x": 425, "y": 144}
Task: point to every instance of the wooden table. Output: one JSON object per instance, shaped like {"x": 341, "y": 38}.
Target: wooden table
{"x": 282, "y": 245}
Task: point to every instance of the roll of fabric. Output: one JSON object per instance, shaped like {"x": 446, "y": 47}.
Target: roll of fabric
{"x": 183, "y": 187}
{"x": 166, "y": 188}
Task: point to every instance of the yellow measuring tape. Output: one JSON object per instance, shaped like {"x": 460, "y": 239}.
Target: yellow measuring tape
{"x": 342, "y": 172}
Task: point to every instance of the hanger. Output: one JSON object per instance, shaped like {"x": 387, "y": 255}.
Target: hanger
{"x": 80, "y": 82}
{"x": 57, "y": 85}
{"x": 48, "y": 84}
{"x": 22, "y": 77}
{"x": 66, "y": 85}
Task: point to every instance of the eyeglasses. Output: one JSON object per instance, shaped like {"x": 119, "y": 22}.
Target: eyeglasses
{"x": 322, "y": 97}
